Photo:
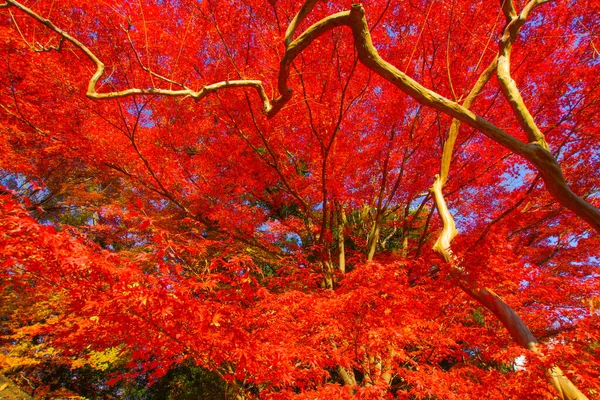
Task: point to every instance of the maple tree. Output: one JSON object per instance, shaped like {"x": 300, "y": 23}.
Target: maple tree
{"x": 317, "y": 200}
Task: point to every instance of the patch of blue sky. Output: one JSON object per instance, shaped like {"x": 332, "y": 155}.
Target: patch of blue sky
{"x": 294, "y": 238}
{"x": 531, "y": 27}
{"x": 264, "y": 227}
{"x": 462, "y": 221}
{"x": 159, "y": 204}
{"x": 144, "y": 113}
{"x": 416, "y": 202}
{"x": 23, "y": 185}
{"x": 516, "y": 179}
{"x": 163, "y": 61}
{"x": 391, "y": 32}
{"x": 208, "y": 61}
{"x": 146, "y": 120}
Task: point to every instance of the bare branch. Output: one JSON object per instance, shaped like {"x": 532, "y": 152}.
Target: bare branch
{"x": 508, "y": 8}
{"x": 307, "y": 7}
{"x": 442, "y": 244}
{"x": 295, "y": 48}
{"x": 368, "y": 55}
{"x": 43, "y": 48}
{"x": 455, "y": 127}
{"x": 93, "y": 94}
{"x": 507, "y": 84}
{"x": 534, "y": 153}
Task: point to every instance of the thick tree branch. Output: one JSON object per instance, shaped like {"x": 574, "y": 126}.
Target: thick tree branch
{"x": 508, "y": 8}
{"x": 93, "y": 94}
{"x": 487, "y": 297}
{"x": 295, "y": 48}
{"x": 507, "y": 84}
{"x": 368, "y": 55}
{"x": 307, "y": 7}
{"x": 449, "y": 232}
{"x": 537, "y": 155}
{"x": 455, "y": 126}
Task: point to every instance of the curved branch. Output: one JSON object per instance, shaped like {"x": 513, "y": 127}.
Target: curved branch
{"x": 507, "y": 84}
{"x": 449, "y": 232}
{"x": 93, "y": 94}
{"x": 368, "y": 55}
{"x": 534, "y": 153}
{"x": 307, "y": 7}
{"x": 454, "y": 128}
{"x": 295, "y": 48}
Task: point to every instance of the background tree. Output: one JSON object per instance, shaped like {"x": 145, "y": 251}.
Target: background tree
{"x": 252, "y": 192}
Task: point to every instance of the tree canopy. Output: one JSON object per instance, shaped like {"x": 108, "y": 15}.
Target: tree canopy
{"x": 301, "y": 200}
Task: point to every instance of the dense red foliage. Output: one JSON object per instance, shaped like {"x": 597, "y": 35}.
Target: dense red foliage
{"x": 292, "y": 252}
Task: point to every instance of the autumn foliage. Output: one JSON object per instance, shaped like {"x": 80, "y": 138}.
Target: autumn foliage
{"x": 312, "y": 200}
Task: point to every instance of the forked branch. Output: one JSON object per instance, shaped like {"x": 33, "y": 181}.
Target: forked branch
{"x": 535, "y": 152}
{"x": 507, "y": 84}
{"x": 487, "y": 297}
{"x": 368, "y": 55}
{"x": 91, "y": 89}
